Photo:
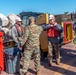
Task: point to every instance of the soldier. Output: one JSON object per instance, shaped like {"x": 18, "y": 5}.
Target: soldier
{"x": 31, "y": 39}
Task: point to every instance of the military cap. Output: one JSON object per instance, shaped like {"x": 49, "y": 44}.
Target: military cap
{"x": 31, "y": 18}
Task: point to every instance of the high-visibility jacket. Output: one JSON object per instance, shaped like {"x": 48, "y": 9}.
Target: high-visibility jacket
{"x": 53, "y": 32}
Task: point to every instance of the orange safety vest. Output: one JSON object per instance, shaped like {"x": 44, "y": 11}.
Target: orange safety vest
{"x": 52, "y": 32}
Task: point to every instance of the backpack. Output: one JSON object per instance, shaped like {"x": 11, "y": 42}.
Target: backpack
{"x": 3, "y": 20}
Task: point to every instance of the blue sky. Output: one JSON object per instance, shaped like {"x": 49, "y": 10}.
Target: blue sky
{"x": 50, "y": 6}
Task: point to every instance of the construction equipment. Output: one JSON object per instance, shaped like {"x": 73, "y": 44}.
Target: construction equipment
{"x": 1, "y": 52}
{"x": 67, "y": 32}
{"x": 43, "y": 19}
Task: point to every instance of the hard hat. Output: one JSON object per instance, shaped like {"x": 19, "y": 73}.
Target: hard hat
{"x": 12, "y": 18}
{"x": 3, "y": 20}
{"x": 18, "y": 19}
{"x": 51, "y": 17}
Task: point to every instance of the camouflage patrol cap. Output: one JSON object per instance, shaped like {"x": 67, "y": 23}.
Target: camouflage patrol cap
{"x": 31, "y": 18}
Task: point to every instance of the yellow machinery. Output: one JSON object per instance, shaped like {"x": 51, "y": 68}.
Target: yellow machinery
{"x": 67, "y": 32}
{"x": 43, "y": 19}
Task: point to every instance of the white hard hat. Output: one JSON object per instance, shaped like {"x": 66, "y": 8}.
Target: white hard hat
{"x": 51, "y": 17}
{"x": 18, "y": 19}
{"x": 12, "y": 18}
{"x": 3, "y": 20}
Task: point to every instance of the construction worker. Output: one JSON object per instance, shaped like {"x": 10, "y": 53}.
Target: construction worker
{"x": 16, "y": 33}
{"x": 54, "y": 39}
{"x": 31, "y": 39}
{"x": 17, "y": 30}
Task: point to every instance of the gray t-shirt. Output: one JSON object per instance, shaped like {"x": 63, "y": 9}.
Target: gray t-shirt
{"x": 14, "y": 33}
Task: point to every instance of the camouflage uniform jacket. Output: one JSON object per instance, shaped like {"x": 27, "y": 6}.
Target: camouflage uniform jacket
{"x": 31, "y": 36}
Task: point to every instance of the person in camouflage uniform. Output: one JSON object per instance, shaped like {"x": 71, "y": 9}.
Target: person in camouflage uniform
{"x": 31, "y": 38}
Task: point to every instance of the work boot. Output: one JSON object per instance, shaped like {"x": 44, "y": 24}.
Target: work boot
{"x": 57, "y": 61}
{"x": 38, "y": 72}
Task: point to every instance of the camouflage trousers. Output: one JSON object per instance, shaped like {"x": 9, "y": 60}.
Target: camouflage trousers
{"x": 27, "y": 56}
{"x": 56, "y": 48}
